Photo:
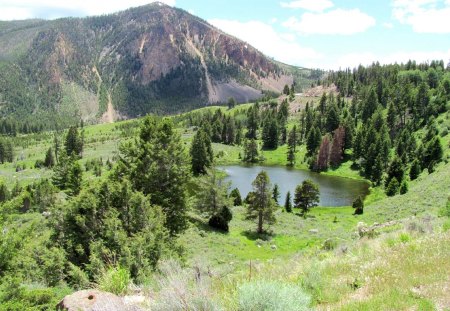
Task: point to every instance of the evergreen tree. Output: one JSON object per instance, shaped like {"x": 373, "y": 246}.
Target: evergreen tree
{"x": 292, "y": 146}
{"x": 261, "y": 205}
{"x": 313, "y": 140}
{"x": 415, "y": 170}
{"x": 333, "y": 119}
{"x": 74, "y": 179}
{"x": 370, "y": 106}
{"x": 358, "y": 205}
{"x": 276, "y": 193}
{"x": 49, "y": 161}
{"x": 288, "y": 202}
{"x": 306, "y": 196}
{"x": 393, "y": 187}
{"x": 252, "y": 121}
{"x": 61, "y": 171}
{"x": 251, "y": 154}
{"x": 395, "y": 171}
{"x": 270, "y": 133}
{"x": 4, "y": 194}
{"x": 74, "y": 143}
{"x": 235, "y": 195}
{"x": 286, "y": 90}
{"x": 404, "y": 187}
{"x": 212, "y": 200}
{"x": 158, "y": 167}
{"x": 201, "y": 153}
{"x": 323, "y": 103}
{"x": 231, "y": 103}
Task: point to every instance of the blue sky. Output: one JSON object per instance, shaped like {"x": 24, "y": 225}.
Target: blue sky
{"x": 312, "y": 33}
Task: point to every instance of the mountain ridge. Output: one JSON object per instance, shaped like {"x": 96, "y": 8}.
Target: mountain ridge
{"x": 153, "y": 58}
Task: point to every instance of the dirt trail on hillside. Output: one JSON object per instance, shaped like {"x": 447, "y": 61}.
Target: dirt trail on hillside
{"x": 110, "y": 115}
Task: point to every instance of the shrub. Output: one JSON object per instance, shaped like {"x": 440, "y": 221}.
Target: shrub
{"x": 115, "y": 280}
{"x": 236, "y": 196}
{"x": 183, "y": 289}
{"x": 272, "y": 296}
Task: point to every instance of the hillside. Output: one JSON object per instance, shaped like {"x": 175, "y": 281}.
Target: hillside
{"x": 153, "y": 58}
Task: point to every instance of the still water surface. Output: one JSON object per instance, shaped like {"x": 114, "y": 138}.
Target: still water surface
{"x": 334, "y": 191}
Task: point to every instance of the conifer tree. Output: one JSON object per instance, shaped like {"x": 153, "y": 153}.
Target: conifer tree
{"x": 306, "y": 196}
{"x": 261, "y": 205}
{"x": 292, "y": 146}
{"x": 49, "y": 161}
{"x": 212, "y": 200}
{"x": 288, "y": 202}
{"x": 251, "y": 153}
{"x": 324, "y": 155}
{"x": 276, "y": 193}
{"x": 415, "y": 170}
{"x": 201, "y": 153}
{"x": 358, "y": 205}
{"x": 235, "y": 195}
{"x": 270, "y": 133}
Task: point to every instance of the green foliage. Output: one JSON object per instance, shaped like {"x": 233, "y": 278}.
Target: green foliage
{"x": 115, "y": 280}
{"x": 358, "y": 205}
{"x": 251, "y": 153}
{"x": 288, "y": 202}
{"x": 403, "y": 187}
{"x": 201, "y": 153}
{"x": 306, "y": 196}
{"x": 109, "y": 222}
{"x": 415, "y": 170}
{"x": 49, "y": 161}
{"x": 272, "y": 296}
{"x": 157, "y": 166}
{"x": 73, "y": 142}
{"x": 393, "y": 187}
{"x": 212, "y": 200}
{"x": 261, "y": 205}
{"x": 276, "y": 193}
{"x": 235, "y": 195}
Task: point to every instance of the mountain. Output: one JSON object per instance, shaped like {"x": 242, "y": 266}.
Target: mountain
{"x": 153, "y": 58}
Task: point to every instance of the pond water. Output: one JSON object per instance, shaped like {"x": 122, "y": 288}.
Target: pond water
{"x": 334, "y": 191}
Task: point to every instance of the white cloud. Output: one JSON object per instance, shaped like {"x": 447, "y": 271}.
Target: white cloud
{"x": 425, "y": 16}
{"x": 335, "y": 22}
{"x": 22, "y": 9}
{"x": 309, "y": 5}
{"x": 388, "y": 25}
{"x": 281, "y": 47}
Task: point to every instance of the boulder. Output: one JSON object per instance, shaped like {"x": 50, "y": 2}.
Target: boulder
{"x": 93, "y": 300}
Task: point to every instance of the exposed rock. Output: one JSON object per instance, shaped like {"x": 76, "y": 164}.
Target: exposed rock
{"x": 94, "y": 300}
{"x": 314, "y": 231}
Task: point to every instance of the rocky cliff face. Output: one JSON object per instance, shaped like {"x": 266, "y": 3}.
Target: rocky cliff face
{"x": 153, "y": 58}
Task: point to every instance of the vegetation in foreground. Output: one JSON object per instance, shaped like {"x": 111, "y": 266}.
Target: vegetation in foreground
{"x": 83, "y": 226}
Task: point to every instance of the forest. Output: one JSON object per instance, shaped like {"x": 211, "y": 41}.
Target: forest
{"x": 140, "y": 201}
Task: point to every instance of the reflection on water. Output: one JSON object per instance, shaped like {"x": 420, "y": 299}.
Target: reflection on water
{"x": 334, "y": 191}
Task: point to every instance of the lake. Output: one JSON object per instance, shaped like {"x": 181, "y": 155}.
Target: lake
{"x": 334, "y": 191}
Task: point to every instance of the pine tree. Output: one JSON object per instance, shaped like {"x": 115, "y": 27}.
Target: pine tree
{"x": 358, "y": 205}
{"x": 415, "y": 170}
{"x": 333, "y": 119}
{"x": 270, "y": 133}
{"x": 276, "y": 193}
{"x": 323, "y": 103}
{"x": 212, "y": 200}
{"x": 261, "y": 205}
{"x": 370, "y": 106}
{"x": 404, "y": 187}
{"x": 251, "y": 154}
{"x": 201, "y": 153}
{"x": 235, "y": 195}
{"x": 324, "y": 155}
{"x": 49, "y": 161}
{"x": 74, "y": 179}
{"x": 231, "y": 103}
{"x": 306, "y": 196}
{"x": 288, "y": 202}
{"x": 61, "y": 171}
{"x": 74, "y": 143}
{"x": 157, "y": 166}
{"x": 292, "y": 146}
{"x": 393, "y": 187}
{"x": 313, "y": 140}
{"x": 252, "y": 121}
{"x": 4, "y": 194}
{"x": 395, "y": 171}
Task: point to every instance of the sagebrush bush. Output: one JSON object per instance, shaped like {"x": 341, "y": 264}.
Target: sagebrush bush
{"x": 183, "y": 289}
{"x": 272, "y": 296}
{"x": 115, "y": 280}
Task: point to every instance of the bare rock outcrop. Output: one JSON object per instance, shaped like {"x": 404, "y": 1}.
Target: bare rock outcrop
{"x": 94, "y": 300}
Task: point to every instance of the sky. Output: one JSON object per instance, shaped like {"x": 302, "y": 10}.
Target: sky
{"x": 327, "y": 34}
